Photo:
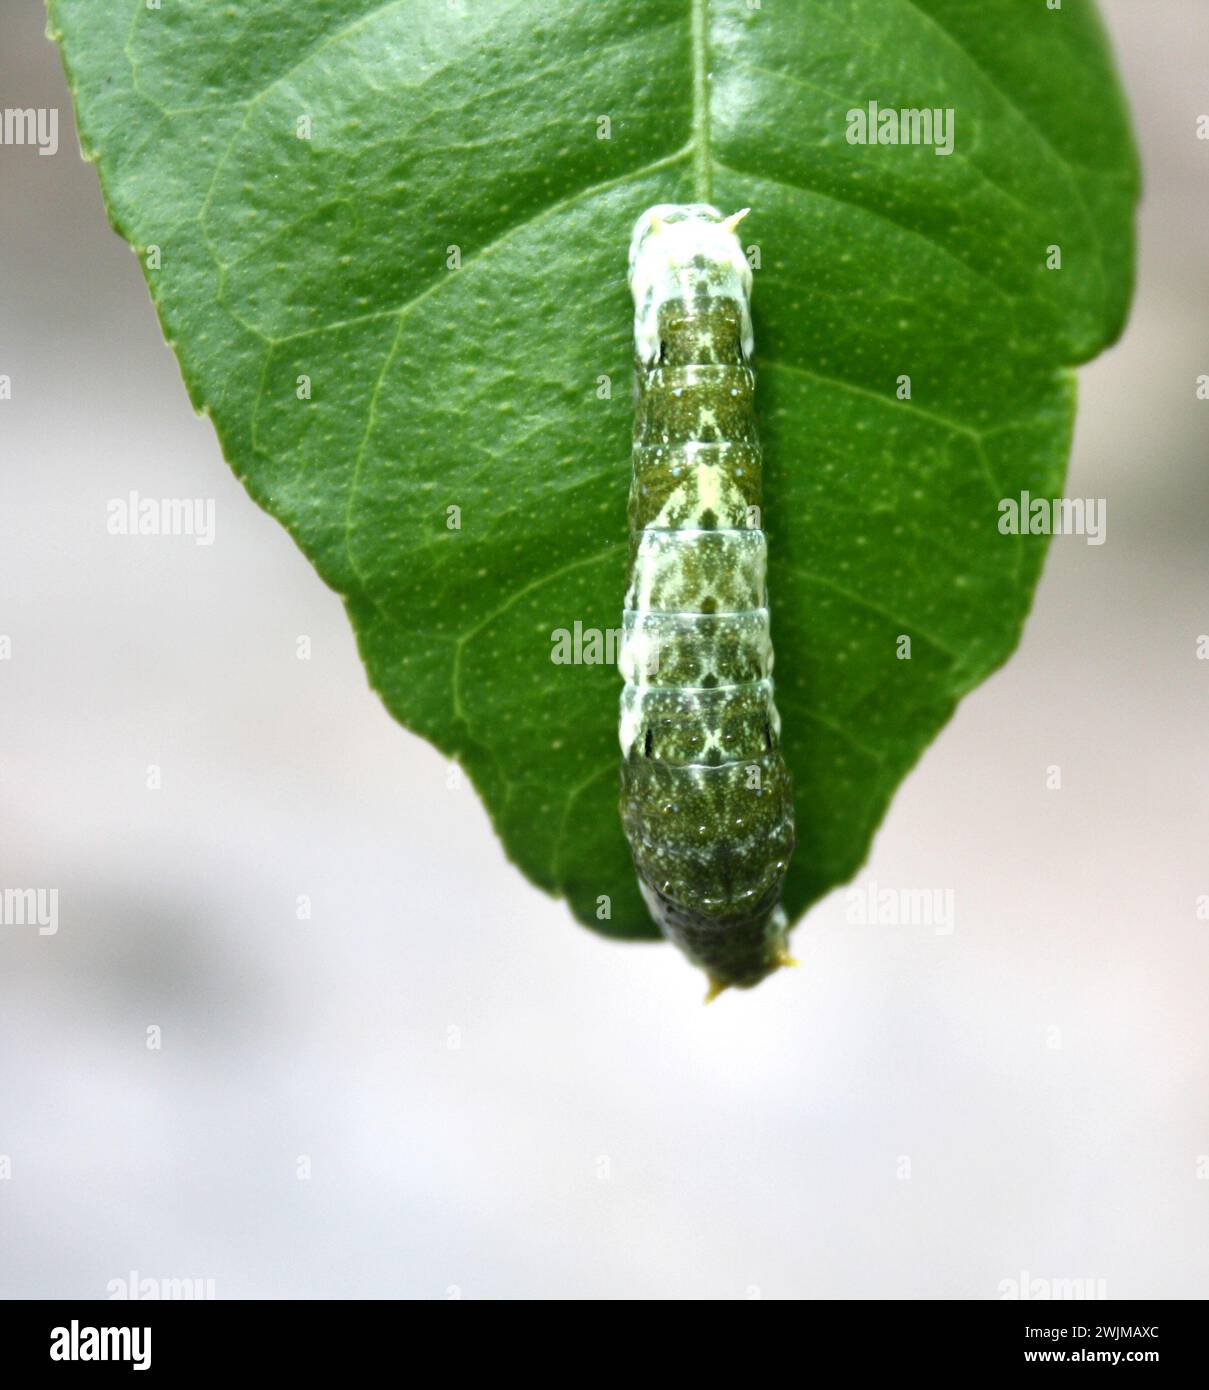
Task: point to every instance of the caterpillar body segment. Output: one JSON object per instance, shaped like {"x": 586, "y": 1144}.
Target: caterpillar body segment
{"x": 706, "y": 798}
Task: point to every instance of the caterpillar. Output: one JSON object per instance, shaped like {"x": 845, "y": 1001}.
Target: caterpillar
{"x": 706, "y": 800}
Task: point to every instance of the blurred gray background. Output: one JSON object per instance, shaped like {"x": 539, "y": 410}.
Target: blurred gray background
{"x": 491, "y": 1100}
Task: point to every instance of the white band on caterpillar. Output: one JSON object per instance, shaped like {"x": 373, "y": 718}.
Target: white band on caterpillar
{"x": 669, "y": 242}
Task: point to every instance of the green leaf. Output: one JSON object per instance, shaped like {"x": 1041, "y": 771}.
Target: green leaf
{"x": 475, "y": 124}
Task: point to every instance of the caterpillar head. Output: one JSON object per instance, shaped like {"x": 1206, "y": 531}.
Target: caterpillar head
{"x": 680, "y": 251}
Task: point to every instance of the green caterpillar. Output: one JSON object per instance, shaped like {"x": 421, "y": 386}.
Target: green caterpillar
{"x": 706, "y": 798}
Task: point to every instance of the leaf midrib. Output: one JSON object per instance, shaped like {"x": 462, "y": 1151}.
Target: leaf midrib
{"x": 702, "y": 181}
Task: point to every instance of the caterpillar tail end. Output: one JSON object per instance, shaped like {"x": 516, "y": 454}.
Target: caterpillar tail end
{"x": 716, "y": 987}
{"x": 781, "y": 960}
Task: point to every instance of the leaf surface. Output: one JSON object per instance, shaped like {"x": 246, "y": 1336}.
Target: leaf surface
{"x": 306, "y": 169}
